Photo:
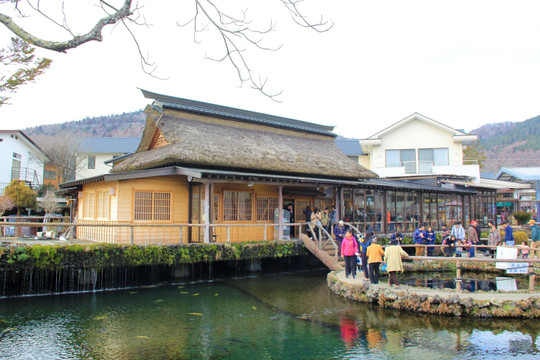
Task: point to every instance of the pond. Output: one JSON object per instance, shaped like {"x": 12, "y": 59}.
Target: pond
{"x": 286, "y": 316}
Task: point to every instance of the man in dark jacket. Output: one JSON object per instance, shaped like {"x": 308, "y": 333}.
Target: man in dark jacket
{"x": 508, "y": 234}
{"x": 370, "y": 235}
{"x": 419, "y": 239}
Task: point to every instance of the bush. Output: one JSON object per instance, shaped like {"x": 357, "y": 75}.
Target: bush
{"x": 520, "y": 237}
{"x": 522, "y": 217}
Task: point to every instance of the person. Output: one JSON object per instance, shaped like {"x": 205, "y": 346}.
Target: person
{"x": 445, "y": 231}
{"x": 392, "y": 259}
{"x": 473, "y": 239}
{"x": 508, "y": 234}
{"x": 458, "y": 231}
{"x": 374, "y": 253}
{"x": 364, "y": 244}
{"x": 459, "y": 247}
{"x": 431, "y": 237}
{"x": 419, "y": 238}
{"x": 479, "y": 233}
{"x": 535, "y": 238}
{"x": 535, "y": 230}
{"x": 332, "y": 215}
{"x": 316, "y": 217}
{"x": 449, "y": 243}
{"x": 524, "y": 247}
{"x": 325, "y": 219}
{"x": 397, "y": 237}
{"x": 307, "y": 212}
{"x": 494, "y": 239}
{"x": 339, "y": 233}
{"x": 290, "y": 209}
{"x": 349, "y": 250}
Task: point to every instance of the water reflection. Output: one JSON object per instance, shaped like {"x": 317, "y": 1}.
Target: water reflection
{"x": 470, "y": 281}
{"x": 273, "y": 317}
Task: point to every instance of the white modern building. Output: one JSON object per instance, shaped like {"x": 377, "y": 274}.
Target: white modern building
{"x": 418, "y": 146}
{"x": 95, "y": 152}
{"x": 21, "y": 159}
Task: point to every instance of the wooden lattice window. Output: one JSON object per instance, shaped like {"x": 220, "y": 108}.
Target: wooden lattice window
{"x": 151, "y": 205}
{"x": 102, "y": 205}
{"x": 237, "y": 206}
{"x": 88, "y": 205}
{"x": 265, "y": 208}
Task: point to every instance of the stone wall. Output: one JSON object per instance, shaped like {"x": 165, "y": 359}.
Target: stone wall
{"x": 439, "y": 302}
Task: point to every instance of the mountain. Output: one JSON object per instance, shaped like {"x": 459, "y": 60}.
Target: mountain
{"x": 510, "y": 144}
{"x": 122, "y": 125}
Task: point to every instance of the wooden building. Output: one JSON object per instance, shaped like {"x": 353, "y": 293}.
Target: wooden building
{"x": 206, "y": 173}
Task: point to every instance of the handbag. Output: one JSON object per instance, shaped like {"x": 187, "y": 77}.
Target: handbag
{"x": 383, "y": 267}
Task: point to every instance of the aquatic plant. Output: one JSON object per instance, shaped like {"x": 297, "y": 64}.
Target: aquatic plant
{"x": 98, "y": 256}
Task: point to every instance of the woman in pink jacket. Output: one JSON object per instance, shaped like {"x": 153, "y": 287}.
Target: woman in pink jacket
{"x": 349, "y": 250}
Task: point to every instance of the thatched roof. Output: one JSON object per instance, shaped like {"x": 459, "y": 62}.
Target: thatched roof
{"x": 237, "y": 146}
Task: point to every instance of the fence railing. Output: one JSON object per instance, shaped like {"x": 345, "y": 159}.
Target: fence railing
{"x": 116, "y": 232}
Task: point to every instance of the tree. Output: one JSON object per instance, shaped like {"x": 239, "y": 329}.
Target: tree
{"x": 63, "y": 153}
{"x": 5, "y": 204}
{"x": 49, "y": 202}
{"x": 474, "y": 153}
{"x": 236, "y": 31}
{"x": 21, "y": 195}
{"x": 20, "y": 66}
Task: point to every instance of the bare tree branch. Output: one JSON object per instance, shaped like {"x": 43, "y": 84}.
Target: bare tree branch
{"x": 238, "y": 34}
{"x": 61, "y": 46}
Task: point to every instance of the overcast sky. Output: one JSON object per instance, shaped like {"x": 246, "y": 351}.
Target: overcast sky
{"x": 463, "y": 63}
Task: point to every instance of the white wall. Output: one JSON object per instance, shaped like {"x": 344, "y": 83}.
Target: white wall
{"x": 417, "y": 134}
{"x": 31, "y": 157}
{"x": 84, "y": 172}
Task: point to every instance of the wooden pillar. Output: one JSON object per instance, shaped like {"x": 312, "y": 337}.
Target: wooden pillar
{"x": 206, "y": 212}
{"x": 532, "y": 278}
{"x": 341, "y": 204}
{"x": 280, "y": 212}
{"x": 458, "y": 277}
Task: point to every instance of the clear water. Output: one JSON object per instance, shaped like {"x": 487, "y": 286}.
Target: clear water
{"x": 271, "y": 317}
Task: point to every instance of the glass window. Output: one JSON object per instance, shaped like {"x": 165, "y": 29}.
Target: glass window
{"x": 49, "y": 175}
{"x": 392, "y": 158}
{"x": 91, "y": 161}
{"x": 237, "y": 206}
{"x": 404, "y": 158}
{"x": 265, "y": 208}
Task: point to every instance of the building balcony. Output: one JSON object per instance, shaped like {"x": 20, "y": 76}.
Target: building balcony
{"x": 415, "y": 168}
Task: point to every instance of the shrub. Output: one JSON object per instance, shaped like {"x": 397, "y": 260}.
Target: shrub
{"x": 520, "y": 237}
{"x": 522, "y": 217}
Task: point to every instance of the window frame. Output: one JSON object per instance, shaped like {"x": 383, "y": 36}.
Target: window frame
{"x": 237, "y": 205}
{"x": 154, "y": 216}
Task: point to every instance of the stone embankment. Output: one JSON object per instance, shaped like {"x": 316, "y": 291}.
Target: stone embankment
{"x": 439, "y": 302}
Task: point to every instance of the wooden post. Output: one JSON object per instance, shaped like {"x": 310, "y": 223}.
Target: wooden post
{"x": 532, "y": 278}
{"x": 280, "y": 213}
{"x": 207, "y": 213}
{"x": 180, "y": 239}
{"x": 458, "y": 277}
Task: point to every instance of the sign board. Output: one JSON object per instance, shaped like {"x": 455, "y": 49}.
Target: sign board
{"x": 504, "y": 252}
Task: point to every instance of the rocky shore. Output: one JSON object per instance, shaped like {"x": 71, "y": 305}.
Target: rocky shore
{"x": 440, "y": 302}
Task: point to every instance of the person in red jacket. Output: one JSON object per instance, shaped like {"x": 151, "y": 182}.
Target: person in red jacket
{"x": 349, "y": 250}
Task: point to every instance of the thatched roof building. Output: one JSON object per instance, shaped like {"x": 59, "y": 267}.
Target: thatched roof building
{"x": 187, "y": 133}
